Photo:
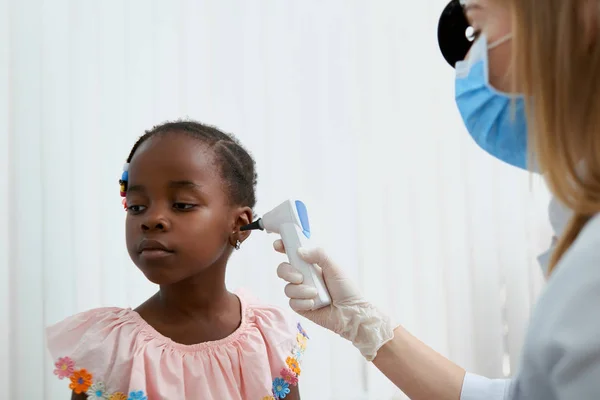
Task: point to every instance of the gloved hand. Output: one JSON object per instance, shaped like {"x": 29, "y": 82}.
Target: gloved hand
{"x": 349, "y": 315}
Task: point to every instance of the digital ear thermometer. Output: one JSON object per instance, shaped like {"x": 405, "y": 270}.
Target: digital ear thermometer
{"x": 290, "y": 220}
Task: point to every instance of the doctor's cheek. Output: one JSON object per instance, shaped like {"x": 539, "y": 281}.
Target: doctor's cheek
{"x": 500, "y": 59}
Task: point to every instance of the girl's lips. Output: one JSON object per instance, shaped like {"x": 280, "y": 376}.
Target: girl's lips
{"x": 149, "y": 245}
{"x": 154, "y": 254}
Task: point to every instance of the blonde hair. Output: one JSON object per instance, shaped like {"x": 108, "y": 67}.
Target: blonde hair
{"x": 558, "y": 69}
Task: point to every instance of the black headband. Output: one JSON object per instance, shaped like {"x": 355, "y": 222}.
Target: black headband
{"x": 452, "y": 33}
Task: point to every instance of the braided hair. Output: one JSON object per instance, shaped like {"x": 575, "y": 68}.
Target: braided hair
{"x": 237, "y": 166}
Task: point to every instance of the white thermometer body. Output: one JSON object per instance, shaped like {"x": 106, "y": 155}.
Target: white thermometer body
{"x": 293, "y": 238}
{"x": 290, "y": 220}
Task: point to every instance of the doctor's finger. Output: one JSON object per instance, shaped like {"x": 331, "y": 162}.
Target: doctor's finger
{"x": 302, "y": 305}
{"x": 290, "y": 274}
{"x": 278, "y": 246}
{"x": 300, "y": 292}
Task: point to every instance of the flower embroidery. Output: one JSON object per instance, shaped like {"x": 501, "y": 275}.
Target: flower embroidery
{"x": 81, "y": 380}
{"x": 289, "y": 376}
{"x": 97, "y": 391}
{"x": 139, "y": 395}
{"x": 298, "y": 355}
{"x": 301, "y": 339}
{"x": 280, "y": 388}
{"x": 64, "y": 367}
{"x": 302, "y": 331}
{"x": 82, "y": 383}
{"x": 293, "y": 364}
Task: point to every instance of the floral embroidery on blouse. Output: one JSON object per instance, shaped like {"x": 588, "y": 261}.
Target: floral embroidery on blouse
{"x": 280, "y": 388}
{"x": 302, "y": 331}
{"x": 291, "y": 371}
{"x": 302, "y": 341}
{"x": 293, "y": 364}
{"x": 289, "y": 376}
{"x": 97, "y": 392}
{"x": 64, "y": 367}
{"x": 82, "y": 381}
{"x": 139, "y": 395}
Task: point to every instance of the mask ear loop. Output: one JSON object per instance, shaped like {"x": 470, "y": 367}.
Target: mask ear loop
{"x": 123, "y": 184}
{"x": 492, "y": 46}
{"x": 498, "y": 42}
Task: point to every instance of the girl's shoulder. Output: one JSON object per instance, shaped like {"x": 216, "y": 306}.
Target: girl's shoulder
{"x": 78, "y": 333}
{"x": 276, "y": 326}
{"x": 263, "y": 315}
{"x": 84, "y": 348}
{"x": 113, "y": 350}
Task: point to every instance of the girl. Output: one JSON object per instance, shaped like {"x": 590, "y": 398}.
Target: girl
{"x": 188, "y": 189}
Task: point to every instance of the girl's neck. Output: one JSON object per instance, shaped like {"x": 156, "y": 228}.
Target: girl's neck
{"x": 196, "y": 310}
{"x": 198, "y": 296}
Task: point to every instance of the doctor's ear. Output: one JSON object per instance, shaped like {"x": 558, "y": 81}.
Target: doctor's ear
{"x": 453, "y": 36}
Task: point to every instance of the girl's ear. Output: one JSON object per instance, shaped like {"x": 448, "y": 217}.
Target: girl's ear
{"x": 243, "y": 216}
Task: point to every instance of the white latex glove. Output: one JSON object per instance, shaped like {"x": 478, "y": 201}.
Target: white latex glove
{"x": 349, "y": 315}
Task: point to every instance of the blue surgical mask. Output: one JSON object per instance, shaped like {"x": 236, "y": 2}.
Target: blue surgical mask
{"x": 495, "y": 120}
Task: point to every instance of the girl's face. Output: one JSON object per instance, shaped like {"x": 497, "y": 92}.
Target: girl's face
{"x": 492, "y": 17}
{"x": 180, "y": 221}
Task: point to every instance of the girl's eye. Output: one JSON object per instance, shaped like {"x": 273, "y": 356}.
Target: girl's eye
{"x": 135, "y": 208}
{"x": 183, "y": 206}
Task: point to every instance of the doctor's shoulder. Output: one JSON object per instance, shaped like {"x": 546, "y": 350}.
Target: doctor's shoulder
{"x": 562, "y": 347}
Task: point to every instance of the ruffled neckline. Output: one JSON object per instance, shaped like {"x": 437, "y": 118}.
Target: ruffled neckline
{"x": 148, "y": 330}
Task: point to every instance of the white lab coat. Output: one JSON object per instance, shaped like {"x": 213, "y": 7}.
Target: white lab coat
{"x": 561, "y": 353}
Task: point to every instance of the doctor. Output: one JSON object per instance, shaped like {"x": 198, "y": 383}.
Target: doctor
{"x": 550, "y": 51}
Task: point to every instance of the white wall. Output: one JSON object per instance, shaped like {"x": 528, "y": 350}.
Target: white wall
{"x": 346, "y": 104}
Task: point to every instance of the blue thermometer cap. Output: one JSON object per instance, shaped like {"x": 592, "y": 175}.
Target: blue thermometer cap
{"x": 303, "y": 215}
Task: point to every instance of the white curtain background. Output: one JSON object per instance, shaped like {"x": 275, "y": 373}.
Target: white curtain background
{"x": 346, "y": 104}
